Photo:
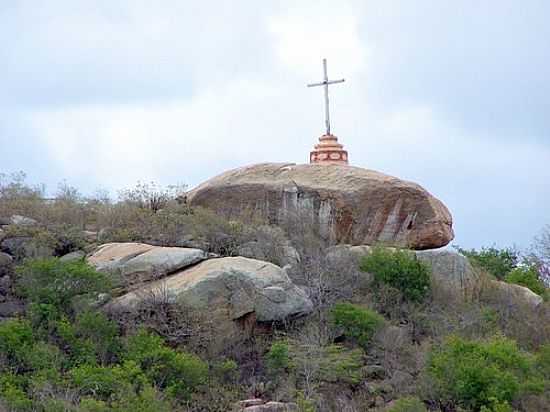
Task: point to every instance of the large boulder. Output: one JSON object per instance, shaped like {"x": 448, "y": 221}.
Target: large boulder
{"x": 228, "y": 288}
{"x": 511, "y": 295}
{"x": 346, "y": 204}
{"x": 452, "y": 275}
{"x": 138, "y": 262}
{"x": 271, "y": 406}
{"x": 22, "y": 247}
{"x": 22, "y": 220}
{"x": 6, "y": 262}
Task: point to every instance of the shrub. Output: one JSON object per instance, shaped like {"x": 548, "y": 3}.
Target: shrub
{"x": 98, "y": 381}
{"x": 16, "y": 342}
{"x": 321, "y": 364}
{"x": 476, "y": 374}
{"x": 528, "y": 277}
{"x": 226, "y": 371}
{"x": 179, "y": 373}
{"x": 498, "y": 262}
{"x": 399, "y": 269}
{"x": 358, "y": 323}
{"x": 409, "y": 404}
{"x": 51, "y": 281}
{"x": 277, "y": 359}
{"x": 100, "y": 332}
{"x": 12, "y": 396}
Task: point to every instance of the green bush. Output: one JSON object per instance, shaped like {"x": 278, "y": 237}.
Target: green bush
{"x": 476, "y": 374}
{"x": 179, "y": 373}
{"x": 277, "y": 359}
{"x": 226, "y": 371}
{"x": 498, "y": 262}
{"x": 101, "y": 334}
{"x": 16, "y": 342}
{"x": 108, "y": 383}
{"x": 409, "y": 404}
{"x": 12, "y": 395}
{"x": 358, "y": 323}
{"x": 528, "y": 277}
{"x": 98, "y": 381}
{"x": 53, "y": 282}
{"x": 399, "y": 269}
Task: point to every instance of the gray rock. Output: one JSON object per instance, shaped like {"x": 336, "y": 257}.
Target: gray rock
{"x": 229, "y": 288}
{"x": 272, "y": 407}
{"x": 6, "y": 262}
{"x": 4, "y": 221}
{"x": 90, "y": 236}
{"x": 138, "y": 262}
{"x": 5, "y": 284}
{"x": 452, "y": 274}
{"x": 76, "y": 255}
{"x": 250, "y": 402}
{"x": 22, "y": 220}
{"x": 2, "y": 235}
{"x": 511, "y": 295}
{"x": 11, "y": 308}
{"x": 21, "y": 247}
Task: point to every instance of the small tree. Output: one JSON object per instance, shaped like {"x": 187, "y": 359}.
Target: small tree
{"x": 527, "y": 276}
{"x": 150, "y": 195}
{"x": 54, "y": 282}
{"x": 482, "y": 374}
{"x": 497, "y": 262}
{"x": 358, "y": 323}
{"x": 399, "y": 269}
{"x": 540, "y": 255}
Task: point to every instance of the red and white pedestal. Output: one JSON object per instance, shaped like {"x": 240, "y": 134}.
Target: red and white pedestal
{"x": 329, "y": 151}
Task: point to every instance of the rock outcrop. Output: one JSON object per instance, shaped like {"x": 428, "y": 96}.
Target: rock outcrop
{"x": 229, "y": 288}
{"x": 138, "y": 262}
{"x": 259, "y": 405}
{"x": 346, "y": 204}
{"x": 452, "y": 274}
{"x": 234, "y": 292}
{"x": 454, "y": 278}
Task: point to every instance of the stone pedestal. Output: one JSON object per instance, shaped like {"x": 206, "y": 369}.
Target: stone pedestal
{"x": 329, "y": 151}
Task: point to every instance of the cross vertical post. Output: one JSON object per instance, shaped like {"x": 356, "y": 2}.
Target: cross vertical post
{"x": 326, "y": 83}
{"x": 327, "y": 114}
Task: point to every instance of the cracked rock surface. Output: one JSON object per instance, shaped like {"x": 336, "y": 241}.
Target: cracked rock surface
{"x": 347, "y": 204}
{"x": 232, "y": 286}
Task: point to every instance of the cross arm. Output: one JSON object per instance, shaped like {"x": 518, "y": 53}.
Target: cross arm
{"x": 326, "y": 82}
{"x": 316, "y": 84}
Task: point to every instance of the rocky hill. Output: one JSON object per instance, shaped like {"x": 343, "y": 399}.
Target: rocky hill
{"x": 256, "y": 294}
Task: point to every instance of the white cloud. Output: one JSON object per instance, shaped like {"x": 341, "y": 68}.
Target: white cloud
{"x": 183, "y": 93}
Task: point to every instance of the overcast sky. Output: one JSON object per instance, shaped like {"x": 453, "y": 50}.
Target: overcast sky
{"x": 454, "y": 95}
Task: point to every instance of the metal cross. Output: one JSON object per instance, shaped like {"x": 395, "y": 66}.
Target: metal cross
{"x": 325, "y": 83}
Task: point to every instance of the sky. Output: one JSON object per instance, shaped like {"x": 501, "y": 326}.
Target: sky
{"x": 453, "y": 95}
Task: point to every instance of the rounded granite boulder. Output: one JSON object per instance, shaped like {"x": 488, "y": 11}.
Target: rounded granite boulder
{"x": 346, "y": 204}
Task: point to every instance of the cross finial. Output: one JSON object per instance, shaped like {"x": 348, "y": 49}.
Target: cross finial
{"x": 325, "y": 83}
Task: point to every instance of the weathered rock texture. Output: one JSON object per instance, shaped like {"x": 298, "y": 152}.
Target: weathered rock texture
{"x": 229, "y": 288}
{"x": 347, "y": 204}
{"x": 137, "y": 262}
{"x": 453, "y": 278}
{"x": 233, "y": 293}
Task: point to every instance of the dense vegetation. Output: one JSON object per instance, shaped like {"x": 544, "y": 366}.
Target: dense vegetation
{"x": 379, "y": 338}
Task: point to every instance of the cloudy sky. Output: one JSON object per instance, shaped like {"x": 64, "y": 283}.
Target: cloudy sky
{"x": 454, "y": 95}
